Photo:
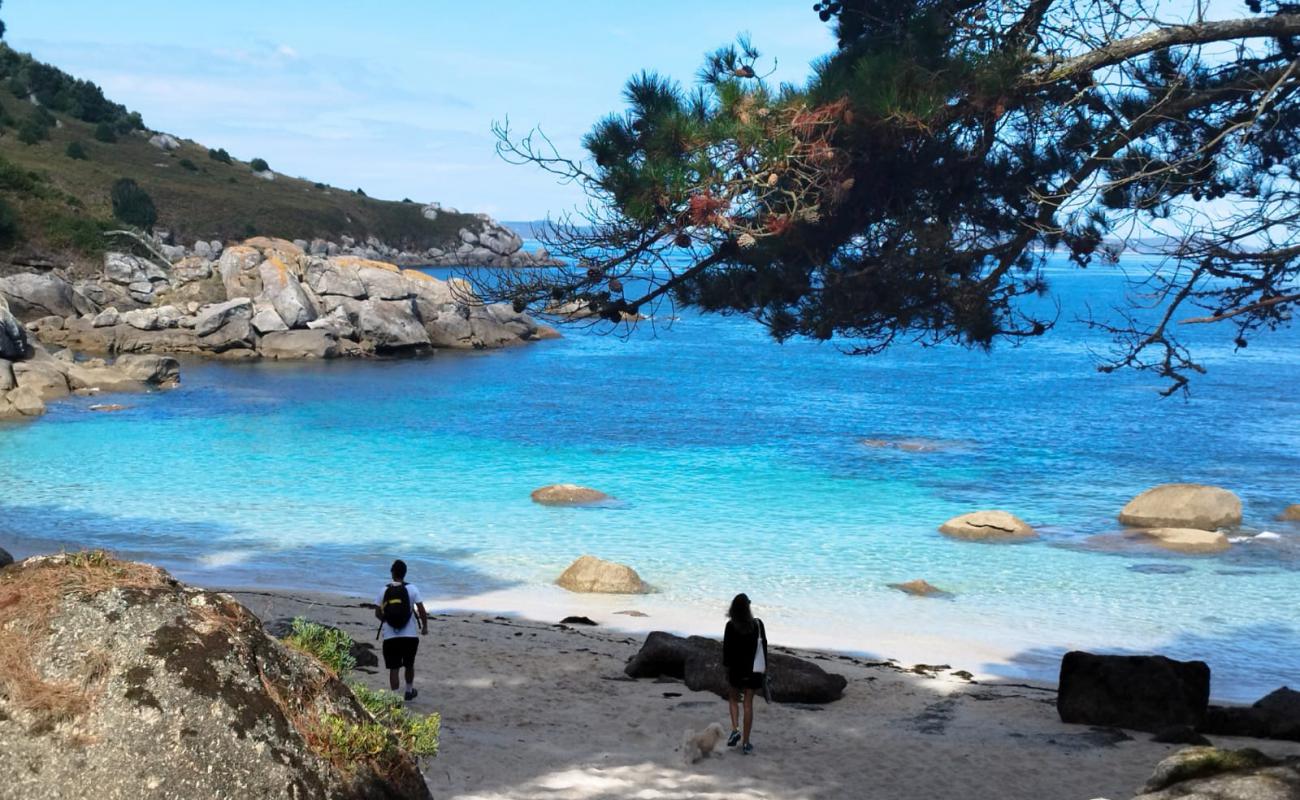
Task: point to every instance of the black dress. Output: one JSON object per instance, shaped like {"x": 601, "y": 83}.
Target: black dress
{"x": 738, "y": 649}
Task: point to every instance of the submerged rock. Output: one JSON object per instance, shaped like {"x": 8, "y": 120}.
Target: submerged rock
{"x": 919, "y": 588}
{"x": 567, "y": 494}
{"x": 123, "y": 682}
{"x": 697, "y": 660}
{"x": 1186, "y": 540}
{"x": 1146, "y": 693}
{"x": 592, "y": 575}
{"x": 1291, "y": 513}
{"x": 1183, "y": 505}
{"x": 988, "y": 526}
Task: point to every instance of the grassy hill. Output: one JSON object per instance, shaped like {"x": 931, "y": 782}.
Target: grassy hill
{"x": 57, "y": 205}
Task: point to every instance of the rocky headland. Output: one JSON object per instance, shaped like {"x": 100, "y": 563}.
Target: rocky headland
{"x": 263, "y": 298}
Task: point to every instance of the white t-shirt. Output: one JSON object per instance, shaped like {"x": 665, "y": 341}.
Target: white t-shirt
{"x": 412, "y": 627}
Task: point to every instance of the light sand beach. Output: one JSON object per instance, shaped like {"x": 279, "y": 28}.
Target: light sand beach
{"x": 531, "y": 710}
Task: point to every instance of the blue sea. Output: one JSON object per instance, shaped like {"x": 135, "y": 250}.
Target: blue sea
{"x": 738, "y": 464}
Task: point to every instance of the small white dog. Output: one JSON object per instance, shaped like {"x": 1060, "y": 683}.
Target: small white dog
{"x": 698, "y": 745}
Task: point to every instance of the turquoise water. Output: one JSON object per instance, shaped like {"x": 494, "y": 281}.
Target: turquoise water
{"x": 738, "y": 466}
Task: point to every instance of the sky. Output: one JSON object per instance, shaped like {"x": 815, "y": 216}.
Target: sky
{"x": 397, "y": 97}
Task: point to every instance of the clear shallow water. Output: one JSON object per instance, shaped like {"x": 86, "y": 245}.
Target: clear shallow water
{"x": 739, "y": 466}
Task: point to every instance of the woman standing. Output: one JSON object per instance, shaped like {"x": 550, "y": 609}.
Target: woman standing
{"x": 744, "y": 657}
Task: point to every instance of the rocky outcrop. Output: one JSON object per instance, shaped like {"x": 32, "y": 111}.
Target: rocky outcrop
{"x": 1183, "y": 505}
{"x": 1208, "y": 773}
{"x": 14, "y": 345}
{"x": 567, "y": 494}
{"x": 121, "y": 682}
{"x": 34, "y": 295}
{"x": 1291, "y": 513}
{"x": 1186, "y": 540}
{"x": 697, "y": 660}
{"x": 26, "y": 385}
{"x": 270, "y": 298}
{"x": 1146, "y": 693}
{"x": 919, "y": 588}
{"x": 595, "y": 576}
{"x": 1275, "y": 716}
{"x": 987, "y": 526}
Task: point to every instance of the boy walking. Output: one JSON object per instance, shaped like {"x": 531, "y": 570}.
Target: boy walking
{"x": 398, "y": 606}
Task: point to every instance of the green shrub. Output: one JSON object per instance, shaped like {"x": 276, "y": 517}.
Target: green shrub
{"x": 133, "y": 205}
{"x": 416, "y": 733}
{"x": 259, "y": 165}
{"x": 219, "y": 154}
{"x": 105, "y": 133}
{"x": 76, "y": 151}
{"x": 33, "y": 130}
{"x": 360, "y": 191}
{"x": 8, "y": 224}
{"x": 331, "y": 645}
{"x": 188, "y": 166}
{"x": 75, "y": 232}
{"x": 320, "y": 185}
{"x": 15, "y": 179}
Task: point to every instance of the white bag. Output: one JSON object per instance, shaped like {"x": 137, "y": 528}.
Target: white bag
{"x": 760, "y": 661}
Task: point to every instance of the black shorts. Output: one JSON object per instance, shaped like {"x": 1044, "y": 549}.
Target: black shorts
{"x": 399, "y": 651}
{"x": 746, "y": 680}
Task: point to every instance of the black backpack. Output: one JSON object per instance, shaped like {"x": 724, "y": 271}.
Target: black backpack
{"x": 397, "y": 606}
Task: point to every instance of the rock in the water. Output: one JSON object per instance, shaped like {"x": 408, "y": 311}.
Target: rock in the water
{"x": 172, "y": 691}
{"x": 697, "y": 660}
{"x": 1208, "y": 773}
{"x": 299, "y": 344}
{"x": 920, "y": 588}
{"x": 987, "y": 526}
{"x": 1183, "y": 505}
{"x": 1146, "y": 693}
{"x": 567, "y": 494}
{"x": 578, "y": 621}
{"x": 26, "y": 402}
{"x": 46, "y": 377}
{"x": 1291, "y": 513}
{"x": 1275, "y": 716}
{"x": 593, "y": 575}
{"x": 1186, "y": 540}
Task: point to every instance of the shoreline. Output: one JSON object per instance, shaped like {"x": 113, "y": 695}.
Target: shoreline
{"x": 535, "y": 710}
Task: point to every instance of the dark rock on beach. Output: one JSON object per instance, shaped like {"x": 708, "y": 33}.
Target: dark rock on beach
{"x": 5, "y": 558}
{"x": 578, "y": 621}
{"x": 120, "y": 682}
{"x": 1146, "y": 693}
{"x": 697, "y": 660}
{"x": 1275, "y": 716}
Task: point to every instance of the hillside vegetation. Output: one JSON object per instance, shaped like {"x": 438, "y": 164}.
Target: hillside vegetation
{"x": 63, "y": 146}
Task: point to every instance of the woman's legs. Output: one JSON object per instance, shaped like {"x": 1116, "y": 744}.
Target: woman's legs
{"x": 749, "y": 712}
{"x": 733, "y": 701}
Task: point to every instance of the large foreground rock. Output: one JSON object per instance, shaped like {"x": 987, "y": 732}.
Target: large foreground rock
{"x": 122, "y": 683}
{"x": 697, "y": 660}
{"x": 1146, "y": 693}
{"x": 1183, "y": 505}
{"x": 988, "y": 526}
{"x": 14, "y": 345}
{"x": 595, "y": 576}
{"x": 1208, "y": 773}
{"x": 1275, "y": 716}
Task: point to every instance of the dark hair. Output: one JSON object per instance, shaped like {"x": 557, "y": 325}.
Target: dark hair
{"x": 740, "y": 612}
{"x": 399, "y": 569}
